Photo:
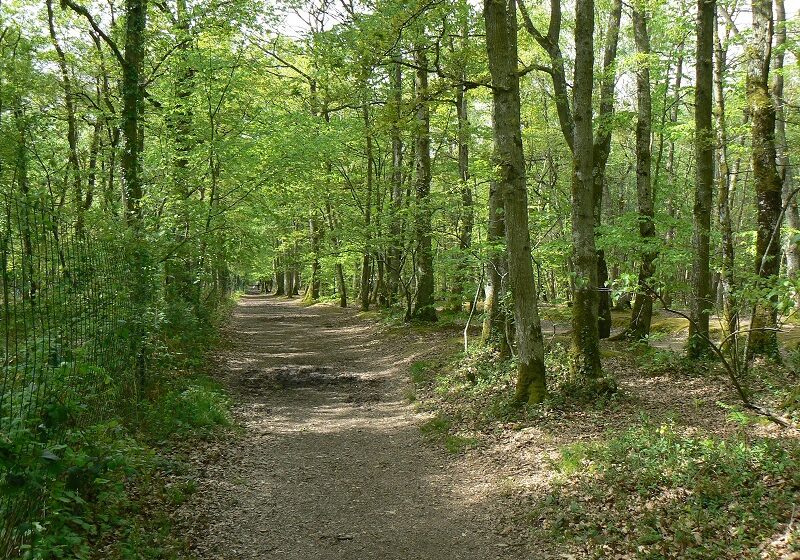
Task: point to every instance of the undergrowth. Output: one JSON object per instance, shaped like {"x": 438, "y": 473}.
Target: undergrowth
{"x": 107, "y": 490}
{"x": 476, "y": 390}
{"x": 653, "y": 492}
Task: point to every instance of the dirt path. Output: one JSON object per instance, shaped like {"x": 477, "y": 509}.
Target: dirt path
{"x": 332, "y": 464}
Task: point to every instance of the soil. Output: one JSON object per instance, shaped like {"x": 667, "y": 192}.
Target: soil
{"x": 331, "y": 463}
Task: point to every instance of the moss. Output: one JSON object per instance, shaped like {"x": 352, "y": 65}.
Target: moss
{"x": 670, "y": 325}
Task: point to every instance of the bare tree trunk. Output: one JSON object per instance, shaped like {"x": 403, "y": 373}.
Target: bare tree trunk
{"x": 314, "y": 234}
{"x": 467, "y": 212}
{"x": 365, "y": 268}
{"x": 395, "y": 252}
{"x": 702, "y": 298}
{"x": 494, "y": 320}
{"x": 508, "y": 159}
{"x": 725, "y": 183}
{"x": 643, "y": 304}
{"x": 789, "y": 202}
{"x": 602, "y": 149}
{"x": 280, "y": 286}
{"x": 424, "y": 309}
{"x": 585, "y": 335}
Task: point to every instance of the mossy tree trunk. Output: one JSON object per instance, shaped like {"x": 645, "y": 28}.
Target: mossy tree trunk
{"x": 763, "y": 340}
{"x": 509, "y": 166}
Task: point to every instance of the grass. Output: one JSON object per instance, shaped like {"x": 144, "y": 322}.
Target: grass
{"x": 439, "y": 429}
{"x": 193, "y": 405}
{"x": 653, "y": 492}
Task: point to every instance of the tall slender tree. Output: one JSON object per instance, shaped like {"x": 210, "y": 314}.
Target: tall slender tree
{"x": 702, "y": 298}
{"x": 508, "y": 161}
{"x": 763, "y": 339}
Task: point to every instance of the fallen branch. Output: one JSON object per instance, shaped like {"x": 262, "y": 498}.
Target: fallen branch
{"x": 730, "y": 368}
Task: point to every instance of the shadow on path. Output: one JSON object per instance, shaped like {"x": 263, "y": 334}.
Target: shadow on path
{"x": 332, "y": 464}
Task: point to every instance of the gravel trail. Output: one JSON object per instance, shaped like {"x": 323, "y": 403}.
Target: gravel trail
{"x": 332, "y": 464}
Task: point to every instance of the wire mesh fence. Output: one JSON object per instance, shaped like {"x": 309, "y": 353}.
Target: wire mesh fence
{"x": 69, "y": 357}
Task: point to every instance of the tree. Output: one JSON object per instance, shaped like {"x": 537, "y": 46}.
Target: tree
{"x": 702, "y": 300}
{"x": 643, "y": 305}
{"x": 500, "y": 17}
{"x": 424, "y": 309}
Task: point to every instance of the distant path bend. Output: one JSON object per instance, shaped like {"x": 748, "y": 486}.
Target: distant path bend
{"x": 332, "y": 464}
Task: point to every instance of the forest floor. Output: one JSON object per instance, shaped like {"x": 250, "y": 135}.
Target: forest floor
{"x": 361, "y": 440}
{"x": 331, "y": 462}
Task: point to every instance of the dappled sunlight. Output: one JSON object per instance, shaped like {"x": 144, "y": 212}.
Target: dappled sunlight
{"x": 332, "y": 458}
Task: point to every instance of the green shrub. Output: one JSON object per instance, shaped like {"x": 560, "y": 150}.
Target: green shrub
{"x": 196, "y": 405}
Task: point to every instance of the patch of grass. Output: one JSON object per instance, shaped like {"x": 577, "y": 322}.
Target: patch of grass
{"x": 555, "y": 313}
{"x": 653, "y": 492}
{"x": 185, "y": 404}
{"x": 439, "y": 429}
{"x": 419, "y": 372}
{"x": 669, "y": 325}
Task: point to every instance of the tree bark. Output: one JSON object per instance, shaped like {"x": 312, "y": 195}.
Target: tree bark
{"x": 467, "y": 220}
{"x": 585, "y": 335}
{"x": 494, "y": 316}
{"x": 424, "y": 308}
{"x": 643, "y": 304}
{"x": 702, "y": 298}
{"x": 314, "y": 234}
{"x": 509, "y": 164}
{"x": 789, "y": 202}
{"x": 395, "y": 252}
{"x": 602, "y": 150}
{"x": 725, "y": 183}
{"x": 280, "y": 286}
{"x": 763, "y": 340}
{"x": 366, "y": 272}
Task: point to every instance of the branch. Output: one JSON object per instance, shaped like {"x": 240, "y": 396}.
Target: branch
{"x": 85, "y": 13}
{"x": 730, "y": 369}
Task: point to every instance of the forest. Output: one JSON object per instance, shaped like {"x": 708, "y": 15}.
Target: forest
{"x": 435, "y": 279}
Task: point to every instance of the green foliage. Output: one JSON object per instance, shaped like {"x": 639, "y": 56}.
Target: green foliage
{"x": 197, "y": 405}
{"x": 656, "y": 362}
{"x": 656, "y": 493}
{"x": 99, "y": 489}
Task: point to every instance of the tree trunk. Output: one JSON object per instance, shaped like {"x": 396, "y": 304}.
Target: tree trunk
{"x": 789, "y": 201}
{"x": 366, "y": 273}
{"x": 508, "y": 160}
{"x": 725, "y": 183}
{"x": 585, "y": 335}
{"x": 702, "y": 298}
{"x": 602, "y": 149}
{"x": 494, "y": 320}
{"x": 763, "y": 340}
{"x": 643, "y": 304}
{"x": 280, "y": 286}
{"x": 288, "y": 281}
{"x": 314, "y": 234}
{"x": 467, "y": 213}
{"x": 424, "y": 309}
{"x": 395, "y": 252}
